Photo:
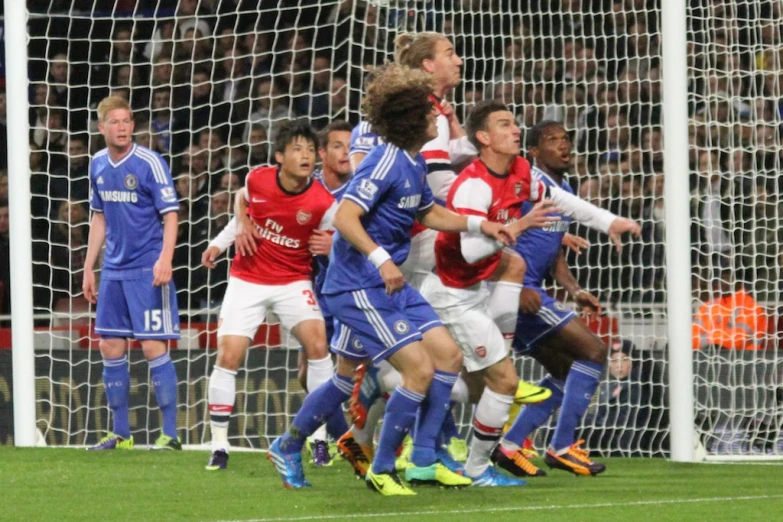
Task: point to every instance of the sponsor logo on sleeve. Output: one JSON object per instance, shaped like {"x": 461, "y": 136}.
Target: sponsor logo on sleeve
{"x": 364, "y": 142}
{"x": 367, "y": 189}
{"x": 168, "y": 195}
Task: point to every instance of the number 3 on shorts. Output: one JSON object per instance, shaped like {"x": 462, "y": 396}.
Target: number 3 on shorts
{"x": 153, "y": 320}
{"x": 310, "y": 297}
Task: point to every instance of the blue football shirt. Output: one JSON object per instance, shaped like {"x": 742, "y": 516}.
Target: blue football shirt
{"x": 323, "y": 261}
{"x": 363, "y": 139}
{"x": 132, "y": 194}
{"x": 539, "y": 247}
{"x": 392, "y": 189}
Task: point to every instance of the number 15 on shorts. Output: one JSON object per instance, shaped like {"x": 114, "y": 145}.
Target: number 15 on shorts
{"x": 153, "y": 320}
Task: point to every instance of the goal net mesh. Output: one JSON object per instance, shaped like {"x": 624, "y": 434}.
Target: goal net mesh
{"x": 209, "y": 81}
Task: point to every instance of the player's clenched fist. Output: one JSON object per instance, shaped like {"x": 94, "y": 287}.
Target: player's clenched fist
{"x": 392, "y": 276}
{"x": 320, "y": 243}
{"x": 529, "y": 301}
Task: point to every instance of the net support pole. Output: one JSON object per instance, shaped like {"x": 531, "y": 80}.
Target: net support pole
{"x": 19, "y": 219}
{"x": 678, "y": 221}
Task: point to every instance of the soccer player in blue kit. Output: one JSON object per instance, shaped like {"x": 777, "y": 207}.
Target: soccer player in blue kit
{"x": 378, "y": 315}
{"x": 131, "y": 193}
{"x": 548, "y": 331}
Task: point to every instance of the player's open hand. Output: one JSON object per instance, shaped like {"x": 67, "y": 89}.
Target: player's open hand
{"x": 392, "y": 276}
{"x": 88, "y": 286}
{"x": 619, "y": 227}
{"x": 161, "y": 272}
{"x": 589, "y": 303}
{"x": 320, "y": 243}
{"x": 246, "y": 237}
{"x": 209, "y": 256}
{"x": 542, "y": 215}
{"x": 498, "y": 231}
{"x": 575, "y": 243}
{"x": 529, "y": 301}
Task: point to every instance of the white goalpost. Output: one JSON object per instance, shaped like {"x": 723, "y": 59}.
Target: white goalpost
{"x": 672, "y": 110}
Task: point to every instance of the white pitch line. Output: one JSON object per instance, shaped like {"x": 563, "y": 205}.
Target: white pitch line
{"x": 513, "y": 508}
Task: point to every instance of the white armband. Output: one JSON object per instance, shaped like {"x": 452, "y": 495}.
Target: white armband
{"x": 474, "y": 224}
{"x": 378, "y": 257}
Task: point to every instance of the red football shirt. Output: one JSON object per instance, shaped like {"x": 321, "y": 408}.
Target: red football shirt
{"x": 480, "y": 192}
{"x": 285, "y": 221}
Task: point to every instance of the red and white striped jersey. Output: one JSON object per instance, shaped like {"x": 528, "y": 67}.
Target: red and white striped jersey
{"x": 441, "y": 154}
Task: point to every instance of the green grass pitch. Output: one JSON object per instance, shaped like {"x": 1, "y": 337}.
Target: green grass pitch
{"x": 139, "y": 485}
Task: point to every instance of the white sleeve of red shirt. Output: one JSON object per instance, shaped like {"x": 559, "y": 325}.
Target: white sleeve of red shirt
{"x": 582, "y": 211}
{"x": 226, "y": 236}
{"x": 461, "y": 150}
{"x": 474, "y": 197}
{"x": 328, "y": 218}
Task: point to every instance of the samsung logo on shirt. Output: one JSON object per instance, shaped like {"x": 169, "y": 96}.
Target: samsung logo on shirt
{"x": 557, "y": 226}
{"x": 410, "y": 201}
{"x": 119, "y": 196}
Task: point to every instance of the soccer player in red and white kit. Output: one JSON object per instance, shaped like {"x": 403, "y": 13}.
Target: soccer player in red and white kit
{"x": 494, "y": 187}
{"x": 276, "y": 214}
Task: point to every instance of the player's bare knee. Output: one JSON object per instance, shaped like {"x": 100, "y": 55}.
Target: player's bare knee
{"x": 112, "y": 348}
{"x": 417, "y": 377}
{"x": 451, "y": 360}
{"x": 596, "y": 352}
{"x": 231, "y": 352}
{"x": 311, "y": 335}
{"x": 502, "y": 378}
{"x": 153, "y": 349}
{"x": 317, "y": 349}
{"x": 504, "y": 385}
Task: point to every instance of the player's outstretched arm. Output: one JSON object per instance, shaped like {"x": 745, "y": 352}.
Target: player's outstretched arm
{"x": 347, "y": 221}
{"x": 561, "y": 273}
{"x": 437, "y": 217}
{"x": 594, "y": 217}
{"x": 162, "y": 270}
{"x": 94, "y": 243}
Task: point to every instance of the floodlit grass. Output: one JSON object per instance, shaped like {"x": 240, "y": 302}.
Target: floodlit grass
{"x": 70, "y": 484}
